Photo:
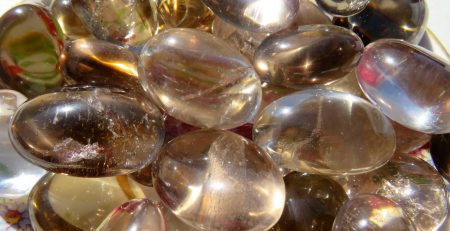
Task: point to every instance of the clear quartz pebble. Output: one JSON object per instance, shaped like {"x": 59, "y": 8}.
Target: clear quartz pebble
{"x": 256, "y": 15}
{"x": 137, "y": 214}
{"x": 327, "y": 132}
{"x": 342, "y": 7}
{"x": 199, "y": 79}
{"x": 372, "y": 212}
{"x": 218, "y": 180}
{"x": 409, "y": 85}
{"x": 68, "y": 21}
{"x": 88, "y": 131}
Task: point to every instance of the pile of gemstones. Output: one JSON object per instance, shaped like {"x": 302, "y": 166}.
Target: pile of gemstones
{"x": 222, "y": 115}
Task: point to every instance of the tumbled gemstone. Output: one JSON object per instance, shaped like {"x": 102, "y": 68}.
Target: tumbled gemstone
{"x": 312, "y": 202}
{"x": 372, "y": 212}
{"x": 439, "y": 149}
{"x": 125, "y": 22}
{"x": 90, "y": 132}
{"x": 256, "y": 15}
{"x": 60, "y": 202}
{"x": 327, "y": 132}
{"x": 343, "y": 7}
{"x": 199, "y": 79}
{"x": 137, "y": 214}
{"x": 309, "y": 55}
{"x": 30, "y": 44}
{"x": 68, "y": 21}
{"x": 218, "y": 180}
{"x": 408, "y": 84}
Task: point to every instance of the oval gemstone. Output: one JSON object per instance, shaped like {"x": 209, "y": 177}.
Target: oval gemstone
{"x": 68, "y": 21}
{"x": 408, "y": 84}
{"x": 343, "y": 7}
{"x": 30, "y": 44}
{"x": 234, "y": 182}
{"x": 89, "y": 132}
{"x": 309, "y": 55}
{"x": 327, "y": 132}
{"x": 256, "y": 15}
{"x": 199, "y": 79}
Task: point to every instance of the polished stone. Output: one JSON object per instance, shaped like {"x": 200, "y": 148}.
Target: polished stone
{"x": 342, "y": 7}
{"x": 218, "y": 180}
{"x": 372, "y": 212}
{"x": 30, "y": 43}
{"x": 309, "y": 55}
{"x": 409, "y": 140}
{"x": 412, "y": 183}
{"x": 309, "y": 14}
{"x": 256, "y": 15}
{"x": 90, "y": 132}
{"x": 440, "y": 152}
{"x": 60, "y": 202}
{"x": 68, "y": 21}
{"x": 125, "y": 22}
{"x": 199, "y": 79}
{"x": 327, "y": 132}
{"x": 312, "y": 202}
{"x": 409, "y": 85}
{"x": 137, "y": 214}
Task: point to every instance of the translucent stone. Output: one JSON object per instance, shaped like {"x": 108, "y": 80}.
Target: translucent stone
{"x": 327, "y": 132}
{"x": 309, "y": 14}
{"x": 97, "y": 62}
{"x": 409, "y": 84}
{"x": 312, "y": 203}
{"x": 90, "y": 132}
{"x": 125, "y": 22}
{"x": 440, "y": 153}
{"x": 347, "y": 84}
{"x": 60, "y": 202}
{"x": 70, "y": 24}
{"x": 311, "y": 54}
{"x": 137, "y": 214}
{"x": 199, "y": 79}
{"x": 144, "y": 176}
{"x": 409, "y": 140}
{"x": 343, "y": 7}
{"x": 412, "y": 183}
{"x": 372, "y": 212}
{"x": 256, "y": 15}
{"x": 218, "y": 180}
{"x": 30, "y": 44}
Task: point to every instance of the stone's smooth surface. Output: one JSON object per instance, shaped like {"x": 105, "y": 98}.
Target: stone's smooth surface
{"x": 144, "y": 176}
{"x": 347, "y": 84}
{"x": 199, "y": 79}
{"x": 309, "y": 55}
{"x": 372, "y": 212}
{"x": 309, "y": 14}
{"x": 68, "y": 21}
{"x": 327, "y": 132}
{"x": 412, "y": 183}
{"x": 400, "y": 19}
{"x": 312, "y": 203}
{"x": 97, "y": 62}
{"x": 184, "y": 13}
{"x": 256, "y": 15}
{"x": 440, "y": 152}
{"x": 343, "y": 7}
{"x": 30, "y": 43}
{"x": 89, "y": 132}
{"x": 59, "y": 202}
{"x": 218, "y": 180}
{"x": 409, "y": 140}
{"x": 137, "y": 214}
{"x": 408, "y": 84}
{"x": 125, "y": 22}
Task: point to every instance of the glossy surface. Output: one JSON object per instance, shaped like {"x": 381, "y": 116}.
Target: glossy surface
{"x": 412, "y": 183}
{"x": 125, "y": 22}
{"x": 440, "y": 152}
{"x": 308, "y": 55}
{"x": 372, "y": 212}
{"x": 138, "y": 214}
{"x": 409, "y": 140}
{"x": 88, "y": 132}
{"x": 144, "y": 176}
{"x": 328, "y": 132}
{"x": 408, "y": 84}
{"x": 312, "y": 203}
{"x": 256, "y": 15}
{"x": 218, "y": 180}
{"x": 97, "y": 62}
{"x": 30, "y": 44}
{"x": 199, "y": 79}
{"x": 68, "y": 21}
{"x": 309, "y": 14}
{"x": 60, "y": 202}
{"x": 343, "y": 7}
